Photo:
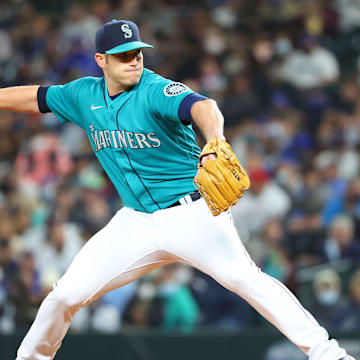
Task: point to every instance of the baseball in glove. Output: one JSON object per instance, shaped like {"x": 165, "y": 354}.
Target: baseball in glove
{"x": 222, "y": 181}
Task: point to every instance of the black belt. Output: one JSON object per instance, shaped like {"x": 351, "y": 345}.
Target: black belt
{"x": 187, "y": 199}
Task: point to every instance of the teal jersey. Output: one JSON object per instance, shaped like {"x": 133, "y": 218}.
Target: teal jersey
{"x": 148, "y": 153}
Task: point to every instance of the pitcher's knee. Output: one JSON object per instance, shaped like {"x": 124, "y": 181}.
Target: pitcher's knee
{"x": 67, "y": 299}
{"x": 240, "y": 281}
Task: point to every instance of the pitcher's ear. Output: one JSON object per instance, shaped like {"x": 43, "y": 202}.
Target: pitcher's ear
{"x": 100, "y": 60}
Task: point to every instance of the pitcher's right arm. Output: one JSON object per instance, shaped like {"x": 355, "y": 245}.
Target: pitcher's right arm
{"x": 20, "y": 99}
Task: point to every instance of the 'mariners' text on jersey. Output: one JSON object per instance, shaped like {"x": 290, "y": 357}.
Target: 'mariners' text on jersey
{"x": 121, "y": 138}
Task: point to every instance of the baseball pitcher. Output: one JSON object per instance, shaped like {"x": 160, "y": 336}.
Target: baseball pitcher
{"x": 176, "y": 197}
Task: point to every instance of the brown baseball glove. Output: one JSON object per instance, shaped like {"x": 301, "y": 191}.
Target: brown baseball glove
{"x": 222, "y": 181}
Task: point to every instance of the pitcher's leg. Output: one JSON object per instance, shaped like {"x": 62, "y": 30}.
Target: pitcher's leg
{"x": 212, "y": 245}
{"x": 279, "y": 306}
{"x": 116, "y": 255}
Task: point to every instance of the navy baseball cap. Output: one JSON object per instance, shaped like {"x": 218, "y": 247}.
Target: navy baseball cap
{"x": 118, "y": 36}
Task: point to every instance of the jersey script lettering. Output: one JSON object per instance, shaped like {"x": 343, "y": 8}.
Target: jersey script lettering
{"x": 103, "y": 139}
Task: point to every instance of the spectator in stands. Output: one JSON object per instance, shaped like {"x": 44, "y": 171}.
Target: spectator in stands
{"x": 80, "y": 25}
{"x": 311, "y": 66}
{"x": 212, "y": 81}
{"x": 352, "y": 204}
{"x": 349, "y": 14}
{"x": 25, "y": 291}
{"x": 264, "y": 200}
{"x": 180, "y": 310}
{"x": 54, "y": 247}
{"x": 275, "y": 261}
{"x": 241, "y": 102}
{"x": 340, "y": 243}
{"x": 333, "y": 187}
{"x": 164, "y": 300}
{"x": 305, "y": 238}
{"x": 41, "y": 163}
{"x": 329, "y": 306}
{"x": 8, "y": 265}
{"x": 351, "y": 321}
{"x": 93, "y": 210}
{"x": 218, "y": 308}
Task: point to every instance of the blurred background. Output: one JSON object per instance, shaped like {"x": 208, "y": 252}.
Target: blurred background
{"x": 286, "y": 75}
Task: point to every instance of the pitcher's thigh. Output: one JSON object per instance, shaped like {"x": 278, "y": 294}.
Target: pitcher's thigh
{"x": 116, "y": 255}
{"x": 210, "y": 244}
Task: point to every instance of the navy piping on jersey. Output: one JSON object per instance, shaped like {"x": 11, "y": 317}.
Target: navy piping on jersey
{"x": 184, "y": 111}
{"x": 179, "y": 178}
{"x": 127, "y": 183}
{"x": 105, "y": 97}
{"x": 114, "y": 96}
{"x": 134, "y": 193}
{"x": 147, "y": 190}
{"x": 41, "y": 99}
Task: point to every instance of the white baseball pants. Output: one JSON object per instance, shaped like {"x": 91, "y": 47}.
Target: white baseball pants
{"x": 134, "y": 243}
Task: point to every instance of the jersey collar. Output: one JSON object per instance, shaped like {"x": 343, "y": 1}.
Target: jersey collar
{"x": 122, "y": 96}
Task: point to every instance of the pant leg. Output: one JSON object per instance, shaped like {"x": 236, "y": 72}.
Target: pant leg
{"x": 212, "y": 245}
{"x": 122, "y": 251}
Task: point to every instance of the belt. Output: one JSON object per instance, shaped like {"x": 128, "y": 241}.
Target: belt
{"x": 187, "y": 199}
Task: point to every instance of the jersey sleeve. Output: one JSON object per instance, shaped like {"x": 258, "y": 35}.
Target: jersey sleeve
{"x": 164, "y": 98}
{"x": 63, "y": 101}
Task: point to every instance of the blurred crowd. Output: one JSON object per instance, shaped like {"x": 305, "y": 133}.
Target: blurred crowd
{"x": 286, "y": 75}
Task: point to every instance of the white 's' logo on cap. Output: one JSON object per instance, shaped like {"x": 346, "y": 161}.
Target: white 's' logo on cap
{"x": 126, "y": 30}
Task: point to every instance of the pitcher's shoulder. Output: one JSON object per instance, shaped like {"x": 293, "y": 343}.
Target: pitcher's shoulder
{"x": 90, "y": 81}
{"x": 88, "y": 84}
{"x": 150, "y": 78}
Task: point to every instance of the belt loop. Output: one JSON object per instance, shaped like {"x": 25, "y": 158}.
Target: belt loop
{"x": 187, "y": 199}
